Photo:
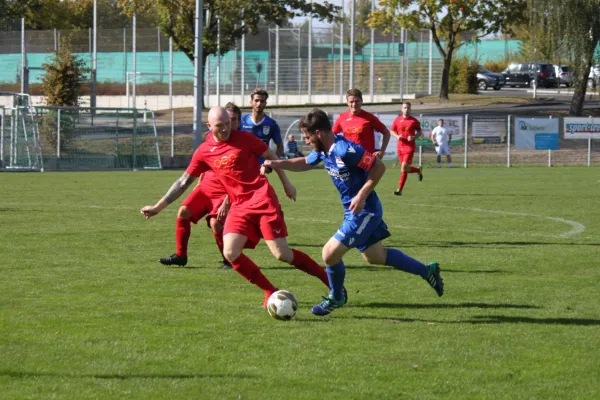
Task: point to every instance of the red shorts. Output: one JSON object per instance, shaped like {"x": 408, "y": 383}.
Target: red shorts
{"x": 261, "y": 221}
{"x": 201, "y": 204}
{"x": 405, "y": 154}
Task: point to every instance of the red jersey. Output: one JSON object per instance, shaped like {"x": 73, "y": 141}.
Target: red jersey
{"x": 359, "y": 128}
{"x": 212, "y": 186}
{"x": 406, "y": 127}
{"x": 235, "y": 164}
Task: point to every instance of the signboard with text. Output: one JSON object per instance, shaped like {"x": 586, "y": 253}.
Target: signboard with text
{"x": 488, "y": 130}
{"x": 582, "y": 128}
{"x": 536, "y": 134}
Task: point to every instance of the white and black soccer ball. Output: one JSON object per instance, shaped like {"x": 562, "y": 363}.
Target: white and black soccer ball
{"x": 282, "y": 305}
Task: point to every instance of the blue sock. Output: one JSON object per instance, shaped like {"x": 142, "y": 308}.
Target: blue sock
{"x": 336, "y": 274}
{"x": 397, "y": 259}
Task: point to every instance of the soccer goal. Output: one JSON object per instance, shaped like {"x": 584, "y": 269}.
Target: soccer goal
{"x": 85, "y": 138}
{"x": 20, "y": 148}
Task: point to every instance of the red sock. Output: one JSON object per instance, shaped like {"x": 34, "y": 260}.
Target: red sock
{"x": 219, "y": 239}
{"x": 414, "y": 170}
{"x": 403, "y": 177}
{"x": 304, "y": 263}
{"x": 182, "y": 236}
{"x": 250, "y": 271}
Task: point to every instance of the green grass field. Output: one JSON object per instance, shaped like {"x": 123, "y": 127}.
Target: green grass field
{"x": 88, "y": 312}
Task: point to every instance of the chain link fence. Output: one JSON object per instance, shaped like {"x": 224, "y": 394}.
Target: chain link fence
{"x": 285, "y": 61}
{"x": 478, "y": 141}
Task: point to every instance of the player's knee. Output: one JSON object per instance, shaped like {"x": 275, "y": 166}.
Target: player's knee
{"x": 330, "y": 258}
{"x": 184, "y": 212}
{"x": 284, "y": 255}
{"x": 374, "y": 258}
{"x": 215, "y": 225}
{"x": 231, "y": 254}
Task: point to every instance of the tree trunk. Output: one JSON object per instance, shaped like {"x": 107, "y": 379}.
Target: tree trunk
{"x": 444, "y": 89}
{"x": 576, "y": 108}
{"x": 445, "y": 79}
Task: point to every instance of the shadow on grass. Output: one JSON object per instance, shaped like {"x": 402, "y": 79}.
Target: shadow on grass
{"x": 385, "y": 268}
{"x": 491, "y": 195}
{"x": 479, "y": 245}
{"x": 24, "y": 375}
{"x": 445, "y": 306}
{"x": 317, "y": 245}
{"x": 495, "y": 319}
{"x": 475, "y": 271}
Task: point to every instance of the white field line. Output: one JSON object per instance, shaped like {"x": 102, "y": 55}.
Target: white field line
{"x": 576, "y": 227}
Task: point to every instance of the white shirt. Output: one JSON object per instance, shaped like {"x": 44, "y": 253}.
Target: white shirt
{"x": 440, "y": 134}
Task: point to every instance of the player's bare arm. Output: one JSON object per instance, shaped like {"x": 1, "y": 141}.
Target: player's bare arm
{"x": 419, "y": 133}
{"x": 384, "y": 144}
{"x": 279, "y": 151}
{"x": 395, "y": 134}
{"x": 297, "y": 164}
{"x": 375, "y": 173}
{"x": 223, "y": 209}
{"x": 288, "y": 188}
{"x": 174, "y": 192}
{"x": 200, "y": 179}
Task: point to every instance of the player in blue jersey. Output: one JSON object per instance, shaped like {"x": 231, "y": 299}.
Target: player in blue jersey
{"x": 261, "y": 125}
{"x": 355, "y": 173}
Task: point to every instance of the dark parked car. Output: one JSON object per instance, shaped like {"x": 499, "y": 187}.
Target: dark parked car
{"x": 487, "y": 78}
{"x": 523, "y": 74}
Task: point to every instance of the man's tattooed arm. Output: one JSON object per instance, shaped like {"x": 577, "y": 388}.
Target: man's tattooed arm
{"x": 174, "y": 192}
{"x": 179, "y": 187}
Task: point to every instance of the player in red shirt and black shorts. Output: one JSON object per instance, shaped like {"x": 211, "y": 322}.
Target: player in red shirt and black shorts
{"x": 209, "y": 199}
{"x": 360, "y": 126}
{"x": 406, "y": 129}
{"x": 255, "y": 211}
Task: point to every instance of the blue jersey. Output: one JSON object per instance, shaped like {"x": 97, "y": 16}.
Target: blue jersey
{"x": 266, "y": 130}
{"x": 348, "y": 164}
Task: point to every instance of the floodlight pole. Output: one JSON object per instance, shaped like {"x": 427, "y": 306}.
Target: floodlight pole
{"x": 310, "y": 31}
{"x": 342, "y": 55}
{"x": 372, "y": 59}
{"x": 243, "y": 66}
{"x": 430, "y": 91}
{"x": 23, "y": 56}
{"x": 352, "y": 36}
{"x": 198, "y": 75}
{"x": 218, "y": 59}
{"x": 171, "y": 96}
{"x": 133, "y": 62}
{"x": 94, "y": 57}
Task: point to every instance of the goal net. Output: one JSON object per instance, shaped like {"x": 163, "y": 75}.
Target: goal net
{"x": 20, "y": 148}
{"x": 84, "y": 138}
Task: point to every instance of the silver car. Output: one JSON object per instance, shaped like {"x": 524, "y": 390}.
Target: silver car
{"x": 594, "y": 77}
{"x": 563, "y": 74}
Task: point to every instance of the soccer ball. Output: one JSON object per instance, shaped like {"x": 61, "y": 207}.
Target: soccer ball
{"x": 282, "y": 305}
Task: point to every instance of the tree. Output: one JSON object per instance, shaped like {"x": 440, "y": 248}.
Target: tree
{"x": 61, "y": 86}
{"x": 69, "y": 14}
{"x": 64, "y": 76}
{"x": 177, "y": 19}
{"x": 578, "y": 23}
{"x": 452, "y": 23}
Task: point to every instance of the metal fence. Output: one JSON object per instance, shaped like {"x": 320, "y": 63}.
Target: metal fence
{"x": 490, "y": 145}
{"x": 285, "y": 61}
{"x": 83, "y": 138}
{"x": 78, "y": 138}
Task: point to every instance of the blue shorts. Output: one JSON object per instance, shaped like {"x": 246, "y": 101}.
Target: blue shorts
{"x": 362, "y": 231}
